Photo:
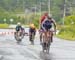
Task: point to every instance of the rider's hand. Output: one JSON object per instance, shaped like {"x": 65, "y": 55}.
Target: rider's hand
{"x": 45, "y": 30}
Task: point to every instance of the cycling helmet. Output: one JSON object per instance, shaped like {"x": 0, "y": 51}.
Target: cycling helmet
{"x": 18, "y": 23}
{"x": 32, "y": 25}
{"x": 49, "y": 16}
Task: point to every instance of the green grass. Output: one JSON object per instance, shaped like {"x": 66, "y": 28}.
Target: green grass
{"x": 67, "y": 35}
{"x": 67, "y": 32}
{"x": 4, "y": 25}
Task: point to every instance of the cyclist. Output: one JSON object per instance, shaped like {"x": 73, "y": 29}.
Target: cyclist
{"x": 18, "y": 27}
{"x": 47, "y": 25}
{"x": 19, "y": 34}
{"x": 32, "y": 31}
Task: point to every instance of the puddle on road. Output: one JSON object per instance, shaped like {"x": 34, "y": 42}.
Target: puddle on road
{"x": 45, "y": 56}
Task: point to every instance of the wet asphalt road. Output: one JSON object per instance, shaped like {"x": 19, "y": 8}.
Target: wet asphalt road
{"x": 10, "y": 50}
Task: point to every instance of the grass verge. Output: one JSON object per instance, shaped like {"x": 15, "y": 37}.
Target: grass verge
{"x": 3, "y": 26}
{"x": 67, "y": 36}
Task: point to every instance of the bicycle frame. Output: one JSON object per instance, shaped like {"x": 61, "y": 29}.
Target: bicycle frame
{"x": 47, "y": 40}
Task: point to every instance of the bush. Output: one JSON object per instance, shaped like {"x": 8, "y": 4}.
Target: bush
{"x": 68, "y": 30}
{"x": 69, "y": 20}
{"x": 35, "y": 20}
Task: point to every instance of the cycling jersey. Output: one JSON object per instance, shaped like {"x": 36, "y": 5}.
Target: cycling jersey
{"x": 47, "y": 24}
{"x": 32, "y": 30}
{"x": 18, "y": 28}
{"x": 43, "y": 18}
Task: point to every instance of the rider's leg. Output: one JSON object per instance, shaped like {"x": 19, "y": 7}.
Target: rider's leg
{"x": 29, "y": 36}
{"x": 51, "y": 36}
{"x": 44, "y": 39}
{"x": 40, "y": 32}
{"x": 18, "y": 33}
{"x": 40, "y": 35}
{"x": 41, "y": 38}
{"x": 34, "y": 33}
{"x": 45, "y": 36}
{"x": 48, "y": 38}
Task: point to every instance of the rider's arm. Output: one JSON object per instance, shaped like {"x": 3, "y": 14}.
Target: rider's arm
{"x": 54, "y": 24}
{"x": 41, "y": 20}
{"x": 43, "y": 24}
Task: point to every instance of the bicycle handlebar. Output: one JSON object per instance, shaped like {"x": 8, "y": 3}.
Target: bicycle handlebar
{"x": 49, "y": 30}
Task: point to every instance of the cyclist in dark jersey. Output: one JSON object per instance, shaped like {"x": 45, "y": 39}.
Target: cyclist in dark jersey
{"x": 47, "y": 25}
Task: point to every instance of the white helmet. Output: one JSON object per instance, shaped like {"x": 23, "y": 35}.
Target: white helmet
{"x": 49, "y": 15}
{"x": 18, "y": 23}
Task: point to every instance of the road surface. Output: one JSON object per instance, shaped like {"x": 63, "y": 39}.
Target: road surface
{"x": 10, "y": 50}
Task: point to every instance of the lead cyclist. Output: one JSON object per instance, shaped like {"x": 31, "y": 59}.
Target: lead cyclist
{"x": 47, "y": 25}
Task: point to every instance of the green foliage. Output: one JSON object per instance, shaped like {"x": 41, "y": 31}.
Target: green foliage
{"x": 68, "y": 30}
{"x": 10, "y": 8}
{"x": 35, "y": 20}
{"x": 67, "y": 33}
{"x": 69, "y": 20}
{"x": 4, "y": 25}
